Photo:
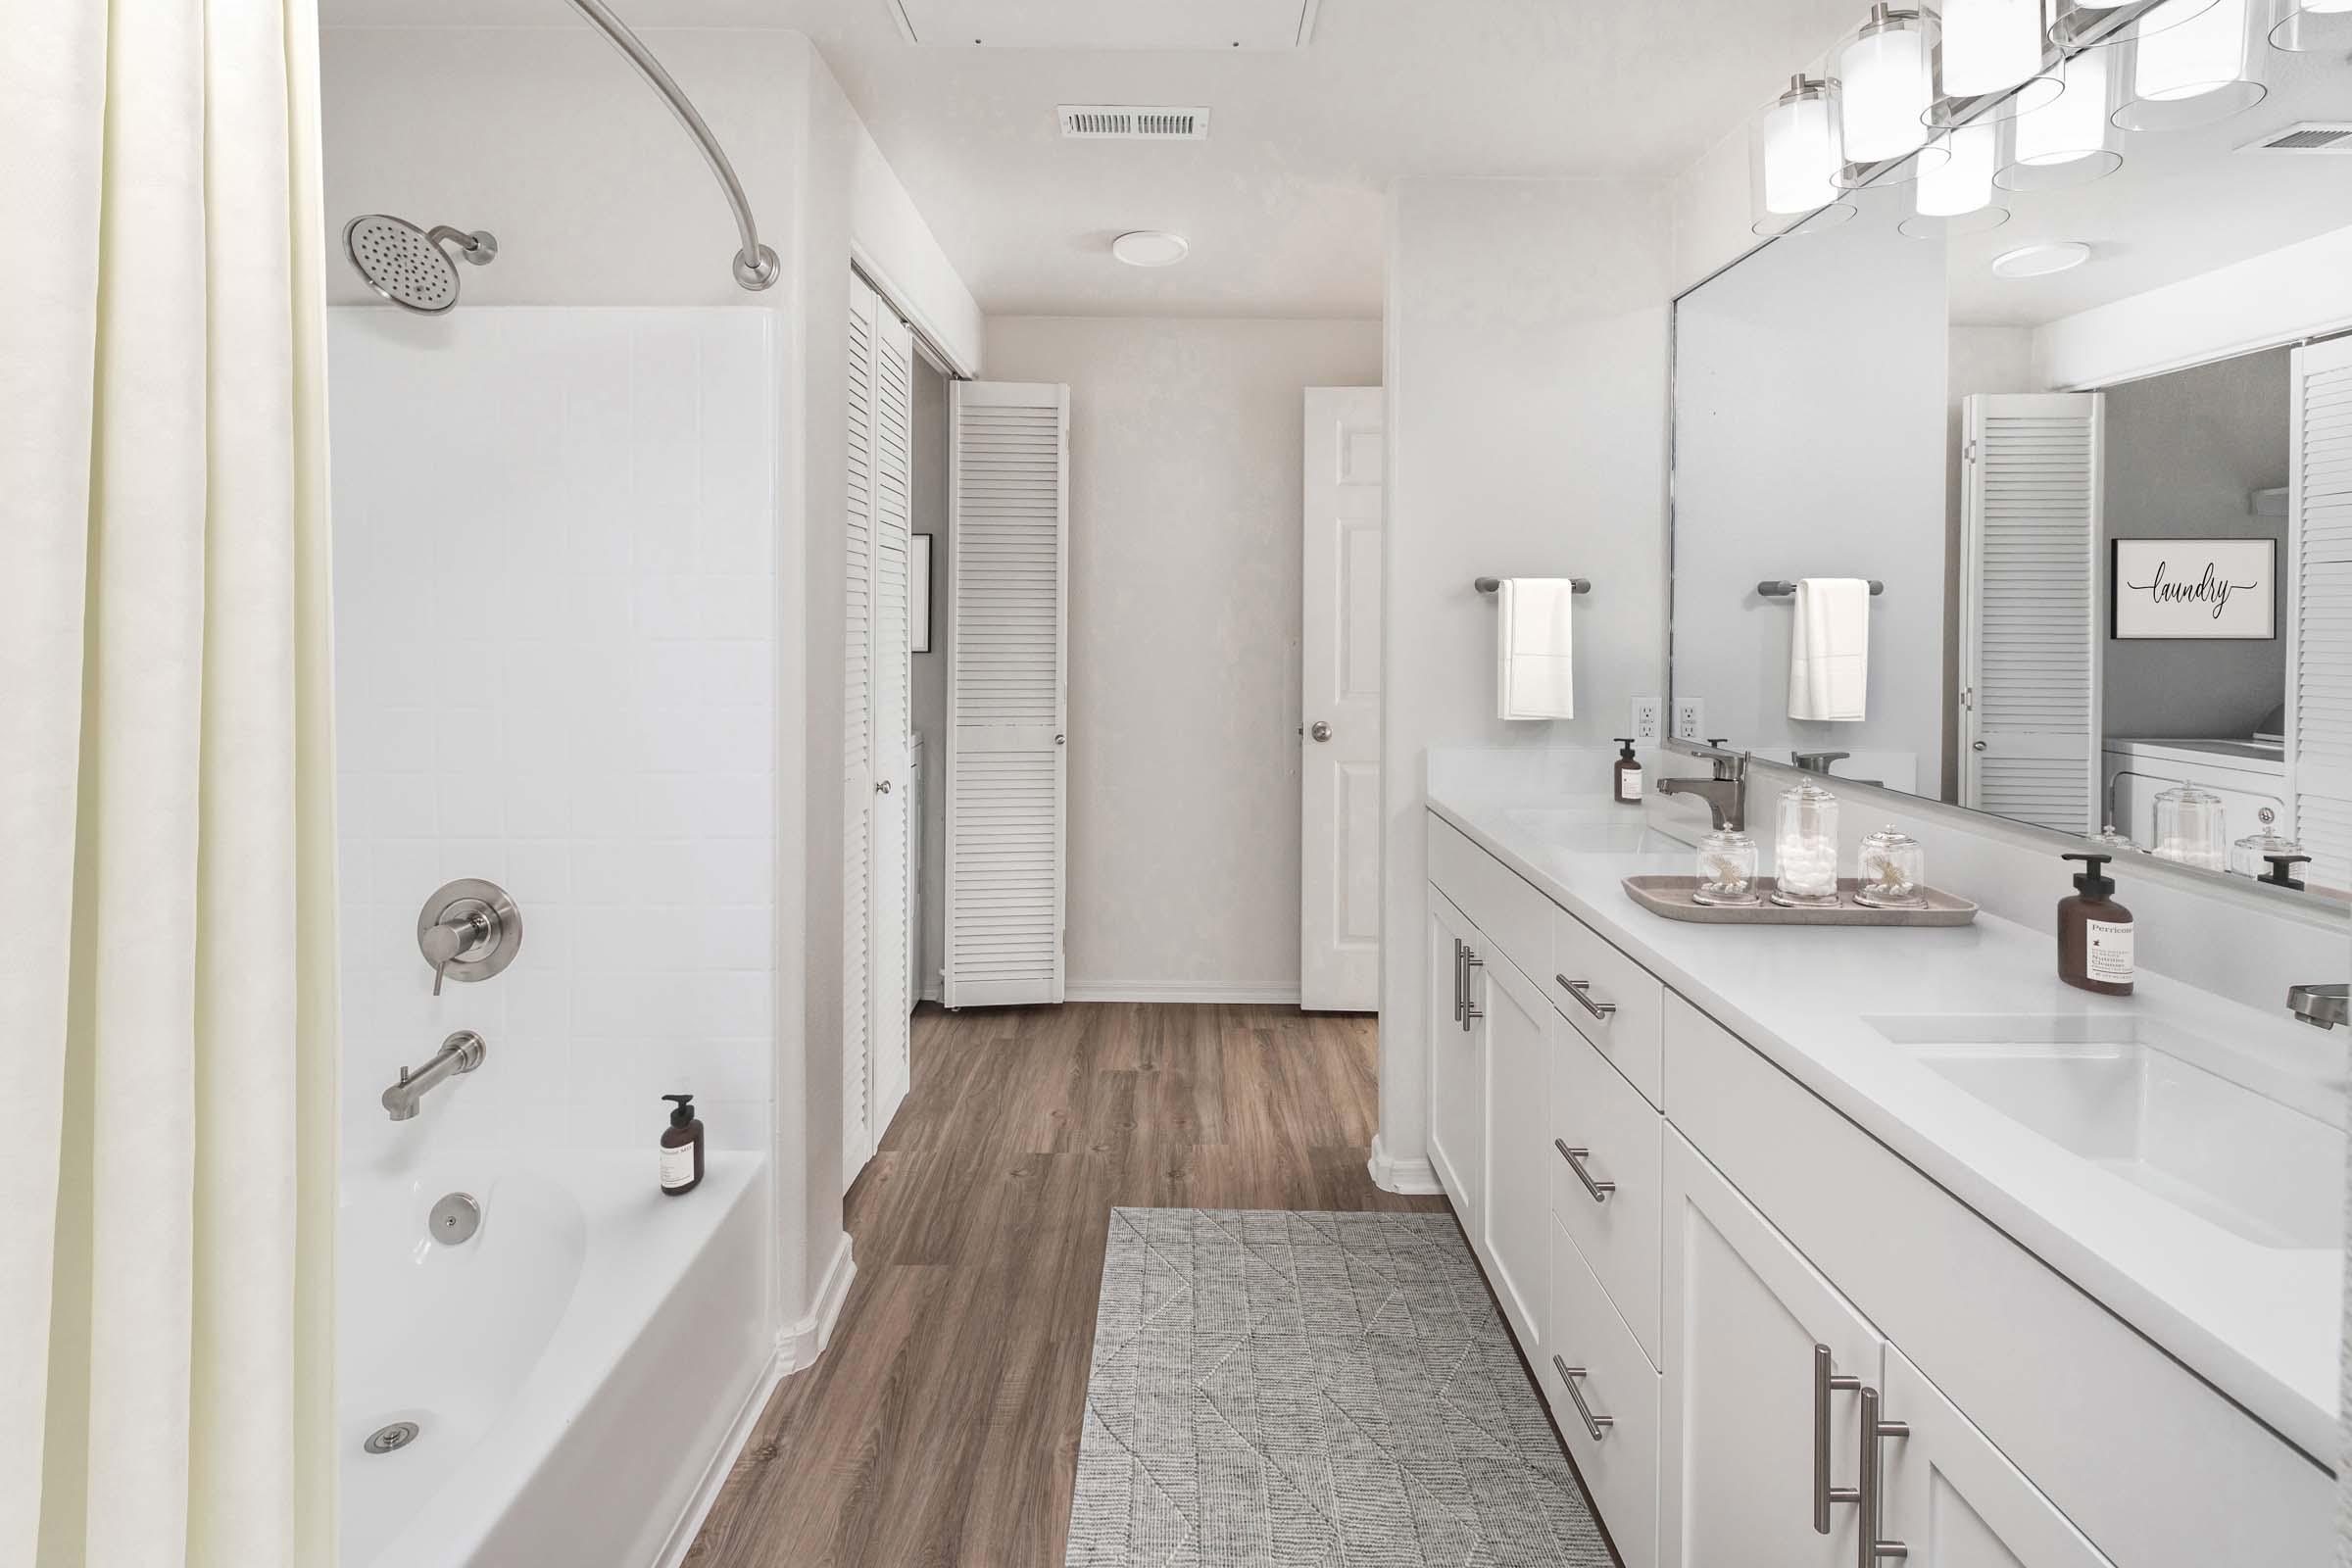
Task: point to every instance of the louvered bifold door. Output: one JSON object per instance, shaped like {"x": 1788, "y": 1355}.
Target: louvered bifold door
{"x": 893, "y": 826}
{"x": 2030, "y": 628}
{"x": 857, "y": 749}
{"x": 2319, "y": 659}
{"x": 1008, "y": 670}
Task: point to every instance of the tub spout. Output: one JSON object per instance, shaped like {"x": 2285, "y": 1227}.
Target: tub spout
{"x": 462, "y": 1051}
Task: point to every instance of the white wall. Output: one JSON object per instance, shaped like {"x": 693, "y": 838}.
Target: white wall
{"x": 1185, "y": 600}
{"x": 1526, "y": 366}
{"x": 555, "y": 670}
{"x": 546, "y": 138}
{"x": 1811, "y": 401}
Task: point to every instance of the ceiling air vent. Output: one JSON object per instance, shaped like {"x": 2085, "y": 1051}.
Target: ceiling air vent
{"x": 2311, "y": 137}
{"x": 1131, "y": 122}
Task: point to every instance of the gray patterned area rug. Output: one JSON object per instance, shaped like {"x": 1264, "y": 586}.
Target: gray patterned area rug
{"x": 1319, "y": 1390}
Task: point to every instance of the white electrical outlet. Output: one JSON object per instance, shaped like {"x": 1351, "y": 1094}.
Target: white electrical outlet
{"x": 1646, "y": 715}
{"x": 1689, "y": 718}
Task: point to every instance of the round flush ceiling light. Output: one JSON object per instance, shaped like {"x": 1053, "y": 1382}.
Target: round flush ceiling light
{"x": 1150, "y": 247}
{"x": 2040, "y": 261}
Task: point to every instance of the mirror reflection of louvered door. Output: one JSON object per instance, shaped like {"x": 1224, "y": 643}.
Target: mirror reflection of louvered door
{"x": 876, "y": 1067}
{"x": 2030, "y": 622}
{"x": 2319, "y": 619}
{"x": 1008, "y": 688}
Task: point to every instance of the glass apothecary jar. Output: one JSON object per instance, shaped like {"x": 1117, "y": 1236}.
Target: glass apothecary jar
{"x": 2250, "y": 856}
{"x": 1893, "y": 868}
{"x": 1804, "y": 850}
{"x": 1727, "y": 868}
{"x": 2189, "y": 828}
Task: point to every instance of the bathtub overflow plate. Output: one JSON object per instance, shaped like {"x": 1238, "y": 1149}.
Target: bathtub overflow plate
{"x": 454, "y": 1219}
{"x": 391, "y": 1439}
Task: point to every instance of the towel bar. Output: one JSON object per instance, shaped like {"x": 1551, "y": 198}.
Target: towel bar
{"x": 1489, "y": 585}
{"x": 1782, "y": 588}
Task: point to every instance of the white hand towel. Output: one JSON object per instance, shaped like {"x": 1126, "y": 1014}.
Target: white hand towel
{"x": 1535, "y": 677}
{"x": 1829, "y": 649}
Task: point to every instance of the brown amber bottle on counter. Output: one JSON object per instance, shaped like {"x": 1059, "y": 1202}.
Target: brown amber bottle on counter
{"x": 681, "y": 1148}
{"x": 2094, "y": 933}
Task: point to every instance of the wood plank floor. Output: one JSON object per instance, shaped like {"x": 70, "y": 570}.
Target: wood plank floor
{"x": 941, "y": 1426}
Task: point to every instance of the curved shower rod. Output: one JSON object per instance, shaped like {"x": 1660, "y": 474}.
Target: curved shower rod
{"x": 756, "y": 264}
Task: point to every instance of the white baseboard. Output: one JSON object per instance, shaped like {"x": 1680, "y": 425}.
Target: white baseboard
{"x": 1416, "y": 1178}
{"x": 1141, "y": 991}
{"x": 800, "y": 1343}
{"x": 722, "y": 1463}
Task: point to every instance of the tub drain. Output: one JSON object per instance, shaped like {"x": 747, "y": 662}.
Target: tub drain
{"x": 388, "y": 1439}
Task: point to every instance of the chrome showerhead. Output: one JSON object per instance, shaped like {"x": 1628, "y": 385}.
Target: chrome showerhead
{"x": 407, "y": 265}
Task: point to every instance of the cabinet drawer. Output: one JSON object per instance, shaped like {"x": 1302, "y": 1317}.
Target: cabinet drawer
{"x": 1595, "y": 1110}
{"x": 1512, "y": 915}
{"x": 2153, "y": 1464}
{"x": 1622, "y": 1019}
{"x": 1620, "y": 1468}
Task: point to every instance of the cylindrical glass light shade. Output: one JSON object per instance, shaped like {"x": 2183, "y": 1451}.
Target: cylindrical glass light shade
{"x": 2312, "y": 25}
{"x": 1989, "y": 61}
{"x": 2098, "y": 24}
{"x": 2204, "y": 70}
{"x": 1956, "y": 196}
{"x": 1884, "y": 87}
{"x": 2073, "y": 141}
{"x": 1793, "y": 162}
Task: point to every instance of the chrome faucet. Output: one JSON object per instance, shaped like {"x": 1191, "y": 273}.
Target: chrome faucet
{"x": 1725, "y": 794}
{"x": 2321, "y": 1005}
{"x": 462, "y": 1051}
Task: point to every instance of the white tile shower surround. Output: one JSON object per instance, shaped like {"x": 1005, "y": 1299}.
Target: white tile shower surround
{"x": 554, "y": 637}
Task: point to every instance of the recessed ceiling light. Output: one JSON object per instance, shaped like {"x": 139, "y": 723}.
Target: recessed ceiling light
{"x": 1150, "y": 247}
{"x": 2040, "y": 261}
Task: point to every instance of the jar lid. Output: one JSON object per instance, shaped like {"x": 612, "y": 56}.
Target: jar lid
{"x": 1888, "y": 837}
{"x": 2270, "y": 841}
{"x": 1804, "y": 789}
{"x": 2185, "y": 793}
{"x": 1727, "y": 838}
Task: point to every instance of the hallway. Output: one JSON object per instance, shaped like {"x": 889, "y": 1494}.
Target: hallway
{"x": 941, "y": 1424}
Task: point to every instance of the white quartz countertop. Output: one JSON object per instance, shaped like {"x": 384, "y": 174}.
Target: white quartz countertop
{"x": 2260, "y": 1323}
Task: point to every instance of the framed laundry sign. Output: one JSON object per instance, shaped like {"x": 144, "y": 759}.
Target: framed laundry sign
{"x": 2225, "y": 588}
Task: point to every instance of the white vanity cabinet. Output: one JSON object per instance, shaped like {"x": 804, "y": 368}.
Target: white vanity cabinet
{"x": 1708, "y": 1264}
{"x": 1457, "y": 1064}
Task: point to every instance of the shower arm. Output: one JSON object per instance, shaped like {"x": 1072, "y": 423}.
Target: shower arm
{"x": 756, "y": 264}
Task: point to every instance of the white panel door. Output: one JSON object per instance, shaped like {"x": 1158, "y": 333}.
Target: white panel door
{"x": 1741, "y": 1473}
{"x": 1338, "y": 774}
{"x": 2031, "y": 626}
{"x": 1457, "y": 1063}
{"x": 1950, "y": 1497}
{"x": 893, "y": 702}
{"x": 857, "y": 747}
{"x": 2319, "y": 618}
{"x": 1007, "y": 689}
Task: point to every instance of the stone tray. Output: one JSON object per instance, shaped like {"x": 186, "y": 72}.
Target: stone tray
{"x": 1670, "y": 897}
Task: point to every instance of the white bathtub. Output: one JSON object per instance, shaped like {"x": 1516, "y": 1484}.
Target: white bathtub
{"x": 574, "y": 1369}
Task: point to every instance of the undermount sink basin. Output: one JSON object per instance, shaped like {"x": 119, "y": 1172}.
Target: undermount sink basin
{"x": 1593, "y": 830}
{"x": 2128, "y": 1095}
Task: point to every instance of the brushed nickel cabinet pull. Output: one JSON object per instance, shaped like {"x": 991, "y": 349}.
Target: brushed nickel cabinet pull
{"x": 1574, "y": 1376}
{"x": 1825, "y": 1381}
{"x": 1872, "y": 1550}
{"x": 1576, "y": 1159}
{"x": 1582, "y": 990}
{"x": 1471, "y": 1011}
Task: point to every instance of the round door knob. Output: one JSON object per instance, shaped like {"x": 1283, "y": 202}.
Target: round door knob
{"x": 882, "y": 788}
{"x": 1976, "y": 746}
{"x": 1321, "y": 731}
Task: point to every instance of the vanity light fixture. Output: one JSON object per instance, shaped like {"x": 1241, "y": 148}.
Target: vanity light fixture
{"x": 1150, "y": 247}
{"x": 1989, "y": 63}
{"x": 1793, "y": 162}
{"x": 2193, "y": 74}
{"x": 1883, "y": 84}
{"x": 1956, "y": 197}
{"x": 2101, "y": 24}
{"x": 2040, "y": 261}
{"x": 2305, "y": 26}
{"x": 2073, "y": 141}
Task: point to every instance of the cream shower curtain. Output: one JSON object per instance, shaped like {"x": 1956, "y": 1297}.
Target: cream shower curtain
{"x": 167, "y": 918}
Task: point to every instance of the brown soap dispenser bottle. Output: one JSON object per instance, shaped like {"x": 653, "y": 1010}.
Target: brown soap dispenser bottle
{"x": 2094, "y": 933}
{"x": 681, "y": 1148}
{"x": 1627, "y": 787}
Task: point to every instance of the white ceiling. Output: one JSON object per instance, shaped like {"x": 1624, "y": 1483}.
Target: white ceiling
{"x": 2185, "y": 202}
{"x": 1283, "y": 204}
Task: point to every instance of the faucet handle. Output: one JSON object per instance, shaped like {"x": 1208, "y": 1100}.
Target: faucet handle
{"x": 469, "y": 930}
